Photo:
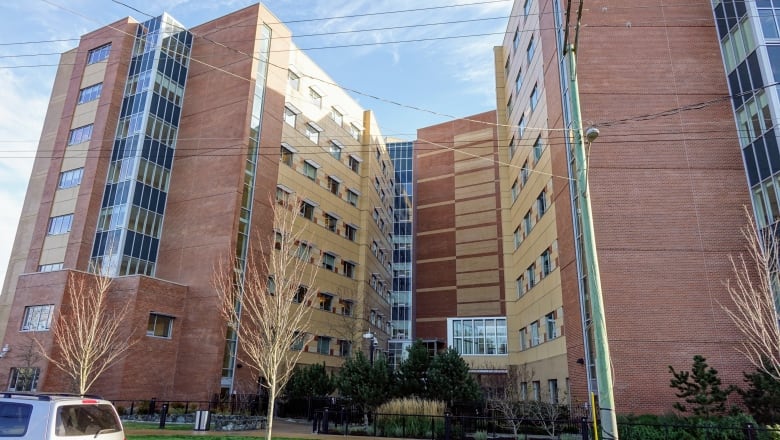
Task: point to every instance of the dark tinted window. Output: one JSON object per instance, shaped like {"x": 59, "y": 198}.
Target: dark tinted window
{"x": 14, "y": 419}
{"x": 73, "y": 420}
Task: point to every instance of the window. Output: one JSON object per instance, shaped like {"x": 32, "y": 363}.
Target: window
{"x": 290, "y": 114}
{"x": 519, "y": 81}
{"x": 50, "y": 267}
{"x": 552, "y": 386}
{"x": 350, "y": 232}
{"x": 523, "y": 339}
{"x": 312, "y": 132}
{"x": 524, "y": 172}
{"x": 348, "y": 269}
{"x": 537, "y": 390}
{"x": 300, "y": 294}
{"x": 271, "y": 286}
{"x": 538, "y": 148}
{"x": 315, "y": 97}
{"x": 507, "y": 67}
{"x": 512, "y": 147}
{"x": 527, "y": 223}
{"x": 352, "y": 197}
{"x": 334, "y": 184}
{"x": 478, "y": 336}
{"x": 70, "y": 178}
{"x": 286, "y": 155}
{"x": 326, "y": 301}
{"x": 310, "y": 169}
{"x": 541, "y": 204}
{"x": 23, "y": 379}
{"x": 518, "y": 238}
{"x": 534, "y": 333}
{"x": 160, "y": 326}
{"x": 546, "y": 260}
{"x": 530, "y": 275}
{"x": 298, "y": 340}
{"x": 331, "y": 222}
{"x": 307, "y": 210}
{"x": 335, "y": 149}
{"x": 60, "y": 224}
{"x": 282, "y": 197}
{"x": 323, "y": 345}
{"x": 524, "y": 391}
{"x": 329, "y": 261}
{"x": 345, "y": 348}
{"x": 529, "y": 52}
{"x": 521, "y": 127}
{"x": 304, "y": 251}
{"x": 527, "y": 8}
{"x": 354, "y": 131}
{"x": 534, "y": 97}
{"x": 346, "y": 308}
{"x": 80, "y": 134}
{"x": 550, "y": 331}
{"x": 520, "y": 286}
{"x": 90, "y": 93}
{"x": 37, "y": 318}
{"x": 354, "y": 163}
{"x": 293, "y": 80}
{"x": 515, "y": 190}
{"x": 516, "y": 39}
{"x": 98, "y": 54}
{"x": 337, "y": 116}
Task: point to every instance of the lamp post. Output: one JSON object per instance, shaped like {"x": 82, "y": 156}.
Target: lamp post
{"x": 371, "y": 345}
{"x": 590, "y": 257}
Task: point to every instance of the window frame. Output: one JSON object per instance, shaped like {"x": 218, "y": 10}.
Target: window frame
{"x": 166, "y": 325}
{"x": 99, "y": 54}
{"x": 37, "y": 318}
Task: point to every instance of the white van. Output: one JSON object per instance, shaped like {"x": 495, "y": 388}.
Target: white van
{"x": 44, "y": 416}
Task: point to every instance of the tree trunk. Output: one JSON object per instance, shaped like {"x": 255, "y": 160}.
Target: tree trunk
{"x": 270, "y": 414}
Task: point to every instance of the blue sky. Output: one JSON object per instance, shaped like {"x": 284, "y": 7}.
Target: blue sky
{"x": 448, "y": 70}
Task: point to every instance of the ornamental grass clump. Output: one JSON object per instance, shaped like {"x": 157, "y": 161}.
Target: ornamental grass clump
{"x": 410, "y": 417}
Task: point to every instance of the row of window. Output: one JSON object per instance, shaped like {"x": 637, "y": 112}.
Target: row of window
{"x": 60, "y": 224}
{"x": 536, "y": 391}
{"x": 531, "y": 335}
{"x": 531, "y": 218}
{"x": 90, "y": 93}
{"x": 315, "y": 97}
{"x": 80, "y": 134}
{"x": 311, "y": 169}
{"x": 98, "y": 54}
{"x": 327, "y": 261}
{"x": 536, "y": 272}
{"x": 39, "y": 317}
{"x": 323, "y": 346}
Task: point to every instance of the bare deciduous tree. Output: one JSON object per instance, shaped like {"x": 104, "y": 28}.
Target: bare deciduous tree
{"x": 264, "y": 305}
{"x": 89, "y": 333}
{"x": 753, "y": 309}
{"x": 506, "y": 397}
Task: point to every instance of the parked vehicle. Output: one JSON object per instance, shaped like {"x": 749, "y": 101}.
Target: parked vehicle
{"x": 48, "y": 416}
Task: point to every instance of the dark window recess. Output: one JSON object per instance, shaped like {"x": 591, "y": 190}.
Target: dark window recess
{"x": 740, "y": 7}
{"x": 736, "y": 92}
{"x": 755, "y": 70}
{"x": 744, "y": 80}
{"x": 731, "y": 15}
{"x": 720, "y": 20}
{"x": 761, "y": 160}
{"x": 771, "y": 147}
{"x": 750, "y": 164}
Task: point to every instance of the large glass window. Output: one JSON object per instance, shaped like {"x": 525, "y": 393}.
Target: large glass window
{"x": 90, "y": 93}
{"x": 160, "y": 326}
{"x": 80, "y": 134}
{"x": 478, "y": 336}
{"x": 98, "y": 54}
{"x": 23, "y": 379}
{"x": 37, "y": 318}
{"x": 323, "y": 345}
{"x": 60, "y": 224}
{"x": 70, "y": 178}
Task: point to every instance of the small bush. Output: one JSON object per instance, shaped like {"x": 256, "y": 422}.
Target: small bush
{"x": 410, "y": 417}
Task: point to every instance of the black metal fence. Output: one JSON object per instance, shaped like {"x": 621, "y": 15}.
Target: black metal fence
{"x": 342, "y": 421}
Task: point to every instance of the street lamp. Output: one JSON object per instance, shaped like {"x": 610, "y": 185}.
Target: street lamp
{"x": 372, "y": 345}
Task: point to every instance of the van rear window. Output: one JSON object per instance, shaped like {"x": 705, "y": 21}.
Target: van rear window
{"x": 74, "y": 420}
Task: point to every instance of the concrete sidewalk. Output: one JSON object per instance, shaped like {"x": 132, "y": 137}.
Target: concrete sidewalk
{"x": 287, "y": 428}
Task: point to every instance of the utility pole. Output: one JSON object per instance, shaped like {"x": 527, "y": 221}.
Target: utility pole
{"x": 590, "y": 256}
